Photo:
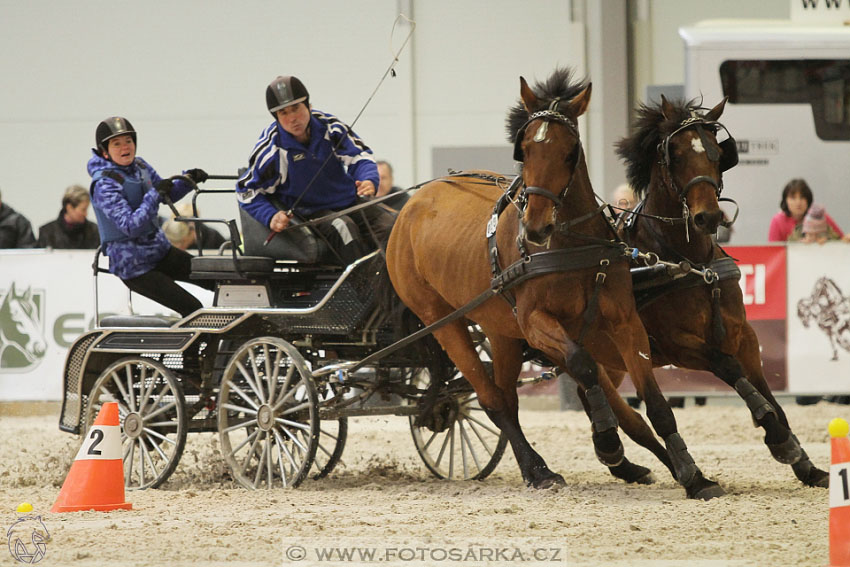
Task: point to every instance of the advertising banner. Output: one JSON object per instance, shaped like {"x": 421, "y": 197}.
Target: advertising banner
{"x": 819, "y": 318}
{"x": 46, "y": 302}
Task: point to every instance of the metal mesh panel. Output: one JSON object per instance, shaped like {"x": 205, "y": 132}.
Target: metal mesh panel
{"x": 344, "y": 311}
{"x": 72, "y": 402}
{"x": 211, "y": 320}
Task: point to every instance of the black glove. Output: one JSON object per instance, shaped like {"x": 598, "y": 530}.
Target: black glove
{"x": 164, "y": 188}
{"x": 197, "y": 175}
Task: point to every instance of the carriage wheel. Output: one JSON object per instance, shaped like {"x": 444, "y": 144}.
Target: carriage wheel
{"x": 268, "y": 418}
{"x": 153, "y": 419}
{"x": 333, "y": 434}
{"x": 456, "y": 440}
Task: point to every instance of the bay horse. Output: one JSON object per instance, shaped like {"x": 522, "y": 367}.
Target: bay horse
{"x": 452, "y": 241}
{"x": 695, "y": 318}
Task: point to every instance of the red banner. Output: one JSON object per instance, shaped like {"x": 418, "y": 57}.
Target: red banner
{"x": 762, "y": 280}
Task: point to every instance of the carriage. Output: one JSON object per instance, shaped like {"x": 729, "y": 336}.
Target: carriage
{"x": 269, "y": 366}
{"x": 291, "y": 349}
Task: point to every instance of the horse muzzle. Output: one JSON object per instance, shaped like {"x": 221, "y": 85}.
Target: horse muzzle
{"x": 708, "y": 221}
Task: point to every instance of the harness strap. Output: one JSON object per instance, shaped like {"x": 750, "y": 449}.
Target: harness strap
{"x": 593, "y": 305}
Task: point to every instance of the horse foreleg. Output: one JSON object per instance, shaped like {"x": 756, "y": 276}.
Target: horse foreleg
{"x": 545, "y": 333}
{"x": 784, "y": 448}
{"x": 634, "y": 349}
{"x": 633, "y": 424}
{"x": 507, "y": 363}
{"x": 501, "y": 410}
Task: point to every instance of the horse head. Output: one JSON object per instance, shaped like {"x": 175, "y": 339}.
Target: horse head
{"x": 546, "y": 140}
{"x": 19, "y": 323}
{"x": 685, "y": 172}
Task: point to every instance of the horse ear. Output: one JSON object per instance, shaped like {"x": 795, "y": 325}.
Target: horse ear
{"x": 715, "y": 112}
{"x": 529, "y": 99}
{"x": 581, "y": 101}
{"x": 667, "y": 109}
{"x": 27, "y": 294}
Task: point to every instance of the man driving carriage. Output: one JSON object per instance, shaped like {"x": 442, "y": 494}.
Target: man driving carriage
{"x": 309, "y": 164}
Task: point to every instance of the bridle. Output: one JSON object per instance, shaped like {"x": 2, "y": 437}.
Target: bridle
{"x": 551, "y": 114}
{"x": 726, "y": 157}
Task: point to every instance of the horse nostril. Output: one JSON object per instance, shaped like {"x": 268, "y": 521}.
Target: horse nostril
{"x": 708, "y": 220}
{"x": 539, "y": 237}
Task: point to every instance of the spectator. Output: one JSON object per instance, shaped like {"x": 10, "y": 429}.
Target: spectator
{"x": 797, "y": 197}
{"x": 15, "y": 229}
{"x": 71, "y": 229}
{"x": 310, "y": 163}
{"x": 184, "y": 235}
{"x": 126, "y": 192}
{"x": 387, "y": 186}
{"x": 814, "y": 227}
{"x": 624, "y": 197}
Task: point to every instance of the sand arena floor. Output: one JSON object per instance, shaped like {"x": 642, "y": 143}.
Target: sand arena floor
{"x": 382, "y": 497}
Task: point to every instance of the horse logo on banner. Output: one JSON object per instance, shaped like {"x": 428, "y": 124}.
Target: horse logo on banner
{"x": 830, "y": 310}
{"x": 22, "y": 343}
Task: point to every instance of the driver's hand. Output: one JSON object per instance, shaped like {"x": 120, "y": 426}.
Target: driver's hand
{"x": 365, "y": 188}
{"x": 279, "y": 221}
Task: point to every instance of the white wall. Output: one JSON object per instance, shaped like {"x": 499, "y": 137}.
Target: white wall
{"x": 189, "y": 75}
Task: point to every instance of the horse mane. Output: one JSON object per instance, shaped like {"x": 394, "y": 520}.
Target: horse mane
{"x": 560, "y": 84}
{"x": 639, "y": 150}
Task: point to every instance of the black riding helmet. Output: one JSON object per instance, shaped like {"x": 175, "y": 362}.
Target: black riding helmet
{"x": 110, "y": 128}
{"x": 285, "y": 91}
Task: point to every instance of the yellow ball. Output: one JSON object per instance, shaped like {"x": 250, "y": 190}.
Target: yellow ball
{"x": 839, "y": 427}
{"x": 24, "y": 507}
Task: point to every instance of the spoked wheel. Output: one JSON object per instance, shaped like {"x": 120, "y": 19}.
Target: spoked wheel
{"x": 268, "y": 419}
{"x": 454, "y": 437}
{"x": 333, "y": 434}
{"x": 153, "y": 419}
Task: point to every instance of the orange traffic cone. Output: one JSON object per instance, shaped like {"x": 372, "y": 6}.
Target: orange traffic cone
{"x": 96, "y": 478}
{"x": 839, "y": 495}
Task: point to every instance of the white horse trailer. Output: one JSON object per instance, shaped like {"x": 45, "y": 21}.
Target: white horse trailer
{"x": 789, "y": 110}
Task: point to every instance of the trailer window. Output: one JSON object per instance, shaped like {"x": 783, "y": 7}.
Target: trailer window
{"x": 824, "y": 84}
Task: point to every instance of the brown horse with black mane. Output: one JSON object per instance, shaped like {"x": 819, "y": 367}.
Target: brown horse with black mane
{"x": 694, "y": 316}
{"x": 452, "y": 243}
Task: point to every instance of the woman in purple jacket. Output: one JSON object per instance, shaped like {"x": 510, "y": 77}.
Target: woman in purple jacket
{"x": 126, "y": 192}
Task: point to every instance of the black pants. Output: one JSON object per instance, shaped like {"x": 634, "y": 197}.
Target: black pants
{"x": 159, "y": 284}
{"x": 353, "y": 236}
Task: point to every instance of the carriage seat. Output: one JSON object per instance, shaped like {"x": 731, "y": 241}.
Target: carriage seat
{"x": 137, "y": 321}
{"x": 297, "y": 244}
{"x": 213, "y": 267}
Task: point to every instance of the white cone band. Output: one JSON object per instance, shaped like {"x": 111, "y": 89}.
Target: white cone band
{"x": 839, "y": 485}
{"x": 102, "y": 442}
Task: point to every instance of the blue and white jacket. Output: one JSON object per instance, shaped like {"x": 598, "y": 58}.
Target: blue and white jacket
{"x": 282, "y": 166}
{"x": 127, "y": 222}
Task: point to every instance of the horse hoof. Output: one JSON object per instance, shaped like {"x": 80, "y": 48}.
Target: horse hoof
{"x": 810, "y": 475}
{"x": 817, "y": 479}
{"x": 787, "y": 452}
{"x": 705, "y": 490}
{"x": 632, "y": 473}
{"x": 648, "y": 478}
{"x": 555, "y": 481}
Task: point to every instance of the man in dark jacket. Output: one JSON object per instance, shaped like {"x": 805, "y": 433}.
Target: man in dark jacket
{"x": 15, "y": 229}
{"x": 71, "y": 230}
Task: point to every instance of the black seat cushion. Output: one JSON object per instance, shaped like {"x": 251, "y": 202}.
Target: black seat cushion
{"x": 299, "y": 244}
{"x": 225, "y": 264}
